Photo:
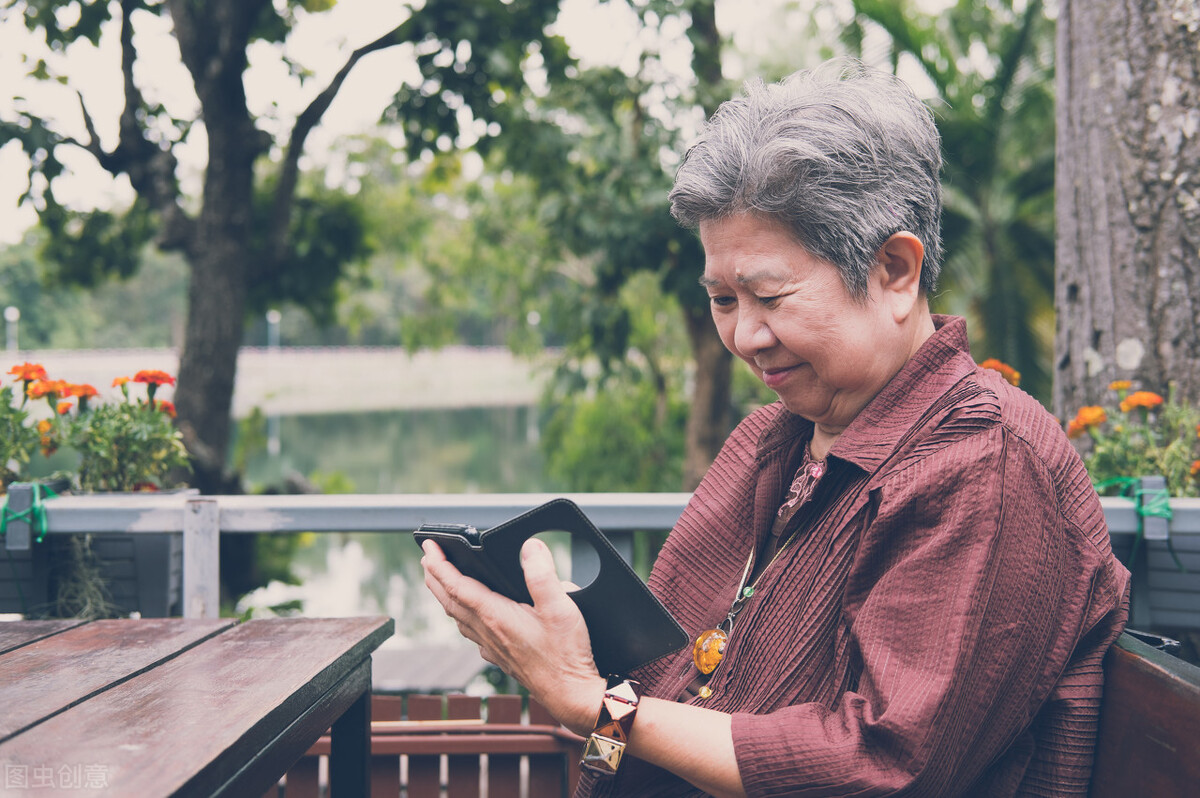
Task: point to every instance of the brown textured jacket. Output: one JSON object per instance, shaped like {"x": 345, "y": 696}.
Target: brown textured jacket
{"x": 936, "y": 628}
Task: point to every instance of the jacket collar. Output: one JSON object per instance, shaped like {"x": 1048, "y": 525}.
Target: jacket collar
{"x": 940, "y": 362}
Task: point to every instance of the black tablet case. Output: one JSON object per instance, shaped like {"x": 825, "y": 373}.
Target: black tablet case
{"x": 628, "y": 626}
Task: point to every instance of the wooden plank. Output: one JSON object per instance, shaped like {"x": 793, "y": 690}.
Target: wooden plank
{"x": 14, "y": 634}
{"x": 424, "y": 772}
{"x": 548, "y": 773}
{"x": 385, "y": 769}
{"x": 422, "y": 745}
{"x": 189, "y": 725}
{"x": 1149, "y": 741}
{"x": 504, "y": 772}
{"x": 463, "y": 771}
{"x": 237, "y": 777}
{"x": 44, "y": 678}
{"x": 233, "y": 779}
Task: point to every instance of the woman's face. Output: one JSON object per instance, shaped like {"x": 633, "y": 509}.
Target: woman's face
{"x": 787, "y": 314}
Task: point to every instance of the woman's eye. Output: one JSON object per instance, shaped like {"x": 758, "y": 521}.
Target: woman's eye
{"x": 722, "y": 301}
{"x": 769, "y": 301}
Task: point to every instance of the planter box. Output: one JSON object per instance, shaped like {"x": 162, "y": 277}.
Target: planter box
{"x": 24, "y": 580}
{"x": 1162, "y": 596}
{"x": 143, "y": 572}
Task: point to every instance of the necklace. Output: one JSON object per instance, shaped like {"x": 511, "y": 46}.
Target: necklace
{"x": 709, "y": 648}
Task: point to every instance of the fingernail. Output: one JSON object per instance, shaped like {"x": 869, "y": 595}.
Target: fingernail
{"x": 527, "y": 548}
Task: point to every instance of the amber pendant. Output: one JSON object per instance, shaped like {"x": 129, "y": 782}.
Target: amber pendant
{"x": 709, "y": 650}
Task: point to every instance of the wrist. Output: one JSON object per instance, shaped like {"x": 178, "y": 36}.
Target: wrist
{"x": 582, "y": 717}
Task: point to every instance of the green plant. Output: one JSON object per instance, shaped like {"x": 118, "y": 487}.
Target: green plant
{"x": 1146, "y": 435}
{"x": 128, "y": 445}
{"x": 18, "y": 440}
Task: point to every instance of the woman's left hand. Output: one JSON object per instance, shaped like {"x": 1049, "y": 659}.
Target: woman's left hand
{"x": 544, "y": 647}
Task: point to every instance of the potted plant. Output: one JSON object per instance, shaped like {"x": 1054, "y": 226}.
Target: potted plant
{"x": 1147, "y": 448}
{"x": 119, "y": 446}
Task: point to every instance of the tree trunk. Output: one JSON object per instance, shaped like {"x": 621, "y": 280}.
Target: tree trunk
{"x": 208, "y": 363}
{"x": 1128, "y": 199}
{"x": 710, "y": 417}
{"x": 213, "y": 43}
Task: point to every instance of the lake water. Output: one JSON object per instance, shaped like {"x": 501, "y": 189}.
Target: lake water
{"x": 467, "y": 450}
{"x": 476, "y": 450}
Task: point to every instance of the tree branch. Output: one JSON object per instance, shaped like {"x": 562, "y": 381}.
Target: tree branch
{"x": 92, "y": 145}
{"x": 151, "y": 169}
{"x": 289, "y": 172}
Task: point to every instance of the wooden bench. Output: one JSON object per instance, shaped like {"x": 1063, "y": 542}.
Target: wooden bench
{"x": 1149, "y": 743}
{"x": 1148, "y": 747}
{"x": 421, "y": 744}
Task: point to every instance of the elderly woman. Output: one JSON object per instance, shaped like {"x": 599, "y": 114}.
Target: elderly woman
{"x": 898, "y": 576}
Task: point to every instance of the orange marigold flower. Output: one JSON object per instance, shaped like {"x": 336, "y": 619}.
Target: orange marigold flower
{"x": 1075, "y": 429}
{"x": 119, "y": 381}
{"x": 63, "y": 407}
{"x": 1120, "y": 385}
{"x": 82, "y": 390}
{"x": 28, "y": 372}
{"x": 1144, "y": 399}
{"x": 1091, "y": 416}
{"x": 166, "y": 407}
{"x": 1008, "y": 372}
{"x": 154, "y": 377}
{"x": 42, "y": 388}
{"x": 1196, "y": 468}
{"x": 44, "y": 426}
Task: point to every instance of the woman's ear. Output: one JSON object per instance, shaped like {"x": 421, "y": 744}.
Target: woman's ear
{"x": 900, "y": 259}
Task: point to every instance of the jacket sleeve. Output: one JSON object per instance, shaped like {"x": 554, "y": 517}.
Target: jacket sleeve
{"x": 965, "y": 603}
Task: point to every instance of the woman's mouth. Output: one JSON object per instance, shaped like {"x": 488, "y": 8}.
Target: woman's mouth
{"x": 773, "y": 378}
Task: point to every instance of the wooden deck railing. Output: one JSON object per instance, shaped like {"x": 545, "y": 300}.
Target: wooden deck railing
{"x": 1163, "y": 596}
{"x": 427, "y": 746}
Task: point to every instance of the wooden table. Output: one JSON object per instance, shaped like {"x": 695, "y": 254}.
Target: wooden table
{"x": 189, "y": 707}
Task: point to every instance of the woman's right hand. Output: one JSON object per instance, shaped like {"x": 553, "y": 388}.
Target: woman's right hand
{"x": 545, "y": 647}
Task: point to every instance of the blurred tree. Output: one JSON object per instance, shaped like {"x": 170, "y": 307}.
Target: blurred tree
{"x": 600, "y": 146}
{"x": 243, "y": 230}
{"x": 992, "y": 65}
{"x": 1128, "y": 292}
{"x": 146, "y": 311}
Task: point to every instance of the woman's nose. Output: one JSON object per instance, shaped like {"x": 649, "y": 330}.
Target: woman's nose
{"x": 752, "y": 334}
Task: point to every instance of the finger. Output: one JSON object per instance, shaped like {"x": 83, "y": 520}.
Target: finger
{"x": 432, "y": 549}
{"x": 541, "y": 577}
{"x": 487, "y": 656}
{"x": 456, "y": 586}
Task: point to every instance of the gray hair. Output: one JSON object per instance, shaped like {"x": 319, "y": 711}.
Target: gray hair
{"x": 842, "y": 156}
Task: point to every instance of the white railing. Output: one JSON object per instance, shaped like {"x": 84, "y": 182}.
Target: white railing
{"x": 201, "y": 519}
